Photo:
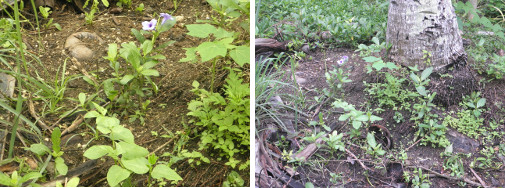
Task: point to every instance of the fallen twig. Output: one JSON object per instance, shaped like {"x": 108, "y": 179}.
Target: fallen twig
{"x": 356, "y": 158}
{"x": 478, "y": 177}
{"x": 31, "y": 109}
{"x": 448, "y": 177}
{"x": 74, "y": 125}
{"x": 415, "y": 143}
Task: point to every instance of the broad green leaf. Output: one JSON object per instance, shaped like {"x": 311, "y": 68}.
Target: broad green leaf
{"x": 74, "y": 182}
{"x": 97, "y": 151}
{"x": 190, "y": 55}
{"x": 104, "y": 124}
{"x": 371, "y": 140}
{"x": 39, "y": 149}
{"x": 241, "y": 55}
{"x": 147, "y": 47}
{"x": 126, "y": 79}
{"x": 150, "y": 72}
{"x": 149, "y": 64}
{"x": 100, "y": 109}
{"x": 92, "y": 114}
{"x": 122, "y": 133}
{"x": 112, "y": 52}
{"x": 356, "y": 124}
{"x": 138, "y": 35}
{"x": 163, "y": 171}
{"x": 30, "y": 176}
{"x": 421, "y": 90}
{"x": 391, "y": 65}
{"x": 60, "y": 165}
{"x": 116, "y": 175}
{"x": 105, "y": 3}
{"x": 415, "y": 78}
{"x": 309, "y": 185}
{"x": 132, "y": 151}
{"x": 200, "y": 30}
{"x": 210, "y": 50}
{"x": 481, "y": 102}
{"x": 375, "y": 118}
{"x": 363, "y": 117}
{"x": 108, "y": 88}
{"x": 55, "y": 138}
{"x": 4, "y": 179}
{"x": 222, "y": 33}
{"x": 426, "y": 73}
{"x": 379, "y": 65}
{"x": 371, "y": 59}
{"x": 82, "y": 98}
{"x": 137, "y": 165}
{"x": 226, "y": 42}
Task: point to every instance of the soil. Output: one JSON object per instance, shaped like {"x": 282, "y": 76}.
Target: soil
{"x": 166, "y": 113}
{"x": 310, "y": 73}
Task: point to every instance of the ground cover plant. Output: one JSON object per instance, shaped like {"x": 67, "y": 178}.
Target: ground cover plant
{"x": 125, "y": 93}
{"x": 341, "y": 114}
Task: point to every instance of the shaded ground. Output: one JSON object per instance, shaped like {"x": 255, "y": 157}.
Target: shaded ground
{"x": 167, "y": 111}
{"x": 329, "y": 169}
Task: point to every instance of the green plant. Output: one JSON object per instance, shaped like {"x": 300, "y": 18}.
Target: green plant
{"x": 225, "y": 119}
{"x": 376, "y": 47}
{"x": 94, "y": 8}
{"x": 336, "y": 178}
{"x": 16, "y": 180}
{"x": 487, "y": 160}
{"x": 433, "y": 132}
{"x": 355, "y": 117}
{"x": 212, "y": 50}
{"x": 419, "y": 179}
{"x": 334, "y": 141}
{"x": 233, "y": 180}
{"x": 373, "y": 148}
{"x": 45, "y": 13}
{"x": 140, "y": 8}
{"x": 140, "y": 61}
{"x": 455, "y": 165}
{"x": 474, "y": 102}
{"x": 41, "y": 149}
{"x": 466, "y": 123}
{"x": 228, "y": 10}
{"x": 336, "y": 78}
{"x": 391, "y": 93}
{"x": 127, "y": 3}
{"x": 128, "y": 156}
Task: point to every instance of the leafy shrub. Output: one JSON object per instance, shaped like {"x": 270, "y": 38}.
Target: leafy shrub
{"x": 226, "y": 120}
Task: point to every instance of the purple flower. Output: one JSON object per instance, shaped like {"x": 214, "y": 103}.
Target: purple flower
{"x": 149, "y": 25}
{"x": 165, "y": 17}
{"x": 343, "y": 60}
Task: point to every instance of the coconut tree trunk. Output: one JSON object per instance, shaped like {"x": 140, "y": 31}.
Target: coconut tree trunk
{"x": 417, "y": 25}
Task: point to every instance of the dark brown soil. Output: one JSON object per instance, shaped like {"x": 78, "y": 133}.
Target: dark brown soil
{"x": 167, "y": 112}
{"x": 386, "y": 172}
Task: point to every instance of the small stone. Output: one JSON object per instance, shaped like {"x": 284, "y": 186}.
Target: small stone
{"x": 306, "y": 48}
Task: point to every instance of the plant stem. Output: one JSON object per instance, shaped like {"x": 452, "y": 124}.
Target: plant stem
{"x": 213, "y": 75}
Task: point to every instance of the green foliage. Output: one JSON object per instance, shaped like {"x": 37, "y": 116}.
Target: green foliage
{"x": 474, "y": 102}
{"x": 334, "y": 141}
{"x": 94, "y": 9}
{"x": 335, "y": 79}
{"x": 487, "y": 39}
{"x": 41, "y": 149}
{"x": 233, "y": 180}
{"x": 454, "y": 163}
{"x": 348, "y": 22}
{"x": 139, "y": 70}
{"x": 355, "y": 117}
{"x": 15, "y": 180}
{"x": 466, "y": 123}
{"x": 392, "y": 93}
{"x": 419, "y": 180}
{"x": 225, "y": 119}
{"x": 229, "y": 10}
{"x": 220, "y": 47}
{"x": 140, "y": 8}
{"x": 374, "y": 148}
{"x": 45, "y": 13}
{"x": 433, "y": 133}
{"x": 131, "y": 157}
